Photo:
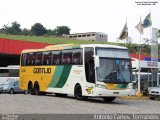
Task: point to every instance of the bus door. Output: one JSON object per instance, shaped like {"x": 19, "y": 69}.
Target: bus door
{"x": 89, "y": 64}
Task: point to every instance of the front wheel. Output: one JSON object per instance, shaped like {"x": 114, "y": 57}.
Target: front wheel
{"x": 108, "y": 99}
{"x": 78, "y": 93}
{"x": 152, "y": 98}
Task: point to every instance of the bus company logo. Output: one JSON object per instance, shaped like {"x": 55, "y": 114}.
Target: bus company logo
{"x": 42, "y": 70}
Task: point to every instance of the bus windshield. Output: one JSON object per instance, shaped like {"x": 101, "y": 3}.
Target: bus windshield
{"x": 114, "y": 68}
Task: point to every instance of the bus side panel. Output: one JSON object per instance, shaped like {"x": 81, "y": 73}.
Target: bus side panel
{"x": 33, "y": 74}
{"x": 65, "y": 80}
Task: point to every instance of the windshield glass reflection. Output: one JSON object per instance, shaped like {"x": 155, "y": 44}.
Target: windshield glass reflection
{"x": 114, "y": 70}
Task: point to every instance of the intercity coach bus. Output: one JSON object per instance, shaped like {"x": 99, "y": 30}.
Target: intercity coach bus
{"x": 89, "y": 70}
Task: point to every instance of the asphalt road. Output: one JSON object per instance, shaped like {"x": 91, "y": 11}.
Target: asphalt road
{"x": 49, "y": 104}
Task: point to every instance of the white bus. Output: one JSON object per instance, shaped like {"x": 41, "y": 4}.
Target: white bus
{"x": 10, "y": 72}
{"x": 89, "y": 70}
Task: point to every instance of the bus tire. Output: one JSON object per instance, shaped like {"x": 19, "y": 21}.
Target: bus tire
{"x": 78, "y": 93}
{"x": 30, "y": 88}
{"x": 11, "y": 91}
{"x": 36, "y": 89}
{"x": 109, "y": 99}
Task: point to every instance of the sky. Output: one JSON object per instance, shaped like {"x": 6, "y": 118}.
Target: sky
{"x": 107, "y": 16}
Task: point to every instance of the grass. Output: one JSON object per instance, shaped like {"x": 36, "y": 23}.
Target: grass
{"x": 50, "y": 40}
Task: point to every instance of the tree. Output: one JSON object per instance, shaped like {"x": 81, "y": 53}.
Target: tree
{"x": 159, "y": 33}
{"x": 60, "y": 30}
{"x": 38, "y": 29}
{"x": 14, "y": 29}
{"x": 51, "y": 32}
{"x": 25, "y": 31}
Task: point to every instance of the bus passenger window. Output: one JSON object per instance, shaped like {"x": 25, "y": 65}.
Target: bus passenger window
{"x": 77, "y": 57}
{"x": 56, "y": 57}
{"x": 24, "y": 59}
{"x": 32, "y": 58}
{"x": 67, "y": 57}
{"x": 38, "y": 58}
{"x": 27, "y": 59}
{"x": 47, "y": 58}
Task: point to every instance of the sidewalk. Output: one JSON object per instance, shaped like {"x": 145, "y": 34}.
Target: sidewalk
{"x": 138, "y": 95}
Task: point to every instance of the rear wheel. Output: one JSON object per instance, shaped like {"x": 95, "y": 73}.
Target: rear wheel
{"x": 78, "y": 93}
{"x": 36, "y": 89}
{"x": 11, "y": 91}
{"x": 30, "y": 89}
{"x": 108, "y": 99}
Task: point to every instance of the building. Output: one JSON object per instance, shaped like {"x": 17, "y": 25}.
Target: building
{"x": 93, "y": 36}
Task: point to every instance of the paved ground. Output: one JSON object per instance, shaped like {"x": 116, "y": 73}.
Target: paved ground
{"x": 26, "y": 104}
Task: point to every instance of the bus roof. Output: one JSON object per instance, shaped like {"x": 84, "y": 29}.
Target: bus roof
{"x": 71, "y": 46}
{"x": 103, "y": 45}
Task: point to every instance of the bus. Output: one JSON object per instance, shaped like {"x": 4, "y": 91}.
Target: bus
{"x": 87, "y": 70}
{"x": 10, "y": 72}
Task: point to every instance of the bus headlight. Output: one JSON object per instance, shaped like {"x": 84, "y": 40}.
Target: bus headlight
{"x": 101, "y": 86}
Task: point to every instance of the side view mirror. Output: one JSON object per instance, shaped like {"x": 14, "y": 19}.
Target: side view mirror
{"x": 96, "y": 61}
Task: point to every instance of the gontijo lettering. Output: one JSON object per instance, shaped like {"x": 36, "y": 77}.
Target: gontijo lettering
{"x": 42, "y": 70}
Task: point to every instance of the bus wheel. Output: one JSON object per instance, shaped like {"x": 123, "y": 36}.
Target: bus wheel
{"x": 78, "y": 93}
{"x": 30, "y": 88}
{"x": 108, "y": 99}
{"x": 11, "y": 91}
{"x": 36, "y": 89}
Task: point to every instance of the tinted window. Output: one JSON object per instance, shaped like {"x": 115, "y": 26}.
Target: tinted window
{"x": 89, "y": 65}
{"x": 77, "y": 57}
{"x": 67, "y": 57}
{"x": 38, "y": 58}
{"x": 56, "y": 57}
{"x": 47, "y": 58}
{"x": 24, "y": 59}
{"x": 31, "y": 58}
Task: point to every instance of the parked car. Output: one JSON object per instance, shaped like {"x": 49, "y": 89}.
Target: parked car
{"x": 10, "y": 86}
{"x": 154, "y": 92}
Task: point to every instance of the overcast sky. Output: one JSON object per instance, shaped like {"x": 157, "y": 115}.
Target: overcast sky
{"x": 108, "y": 16}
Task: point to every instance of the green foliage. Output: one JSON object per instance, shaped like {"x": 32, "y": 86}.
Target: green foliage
{"x": 38, "y": 29}
{"x": 159, "y": 33}
{"x": 51, "y": 32}
{"x": 60, "y": 30}
{"x": 25, "y": 31}
{"x": 14, "y": 29}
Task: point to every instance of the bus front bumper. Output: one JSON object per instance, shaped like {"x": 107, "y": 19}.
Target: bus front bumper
{"x": 100, "y": 92}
